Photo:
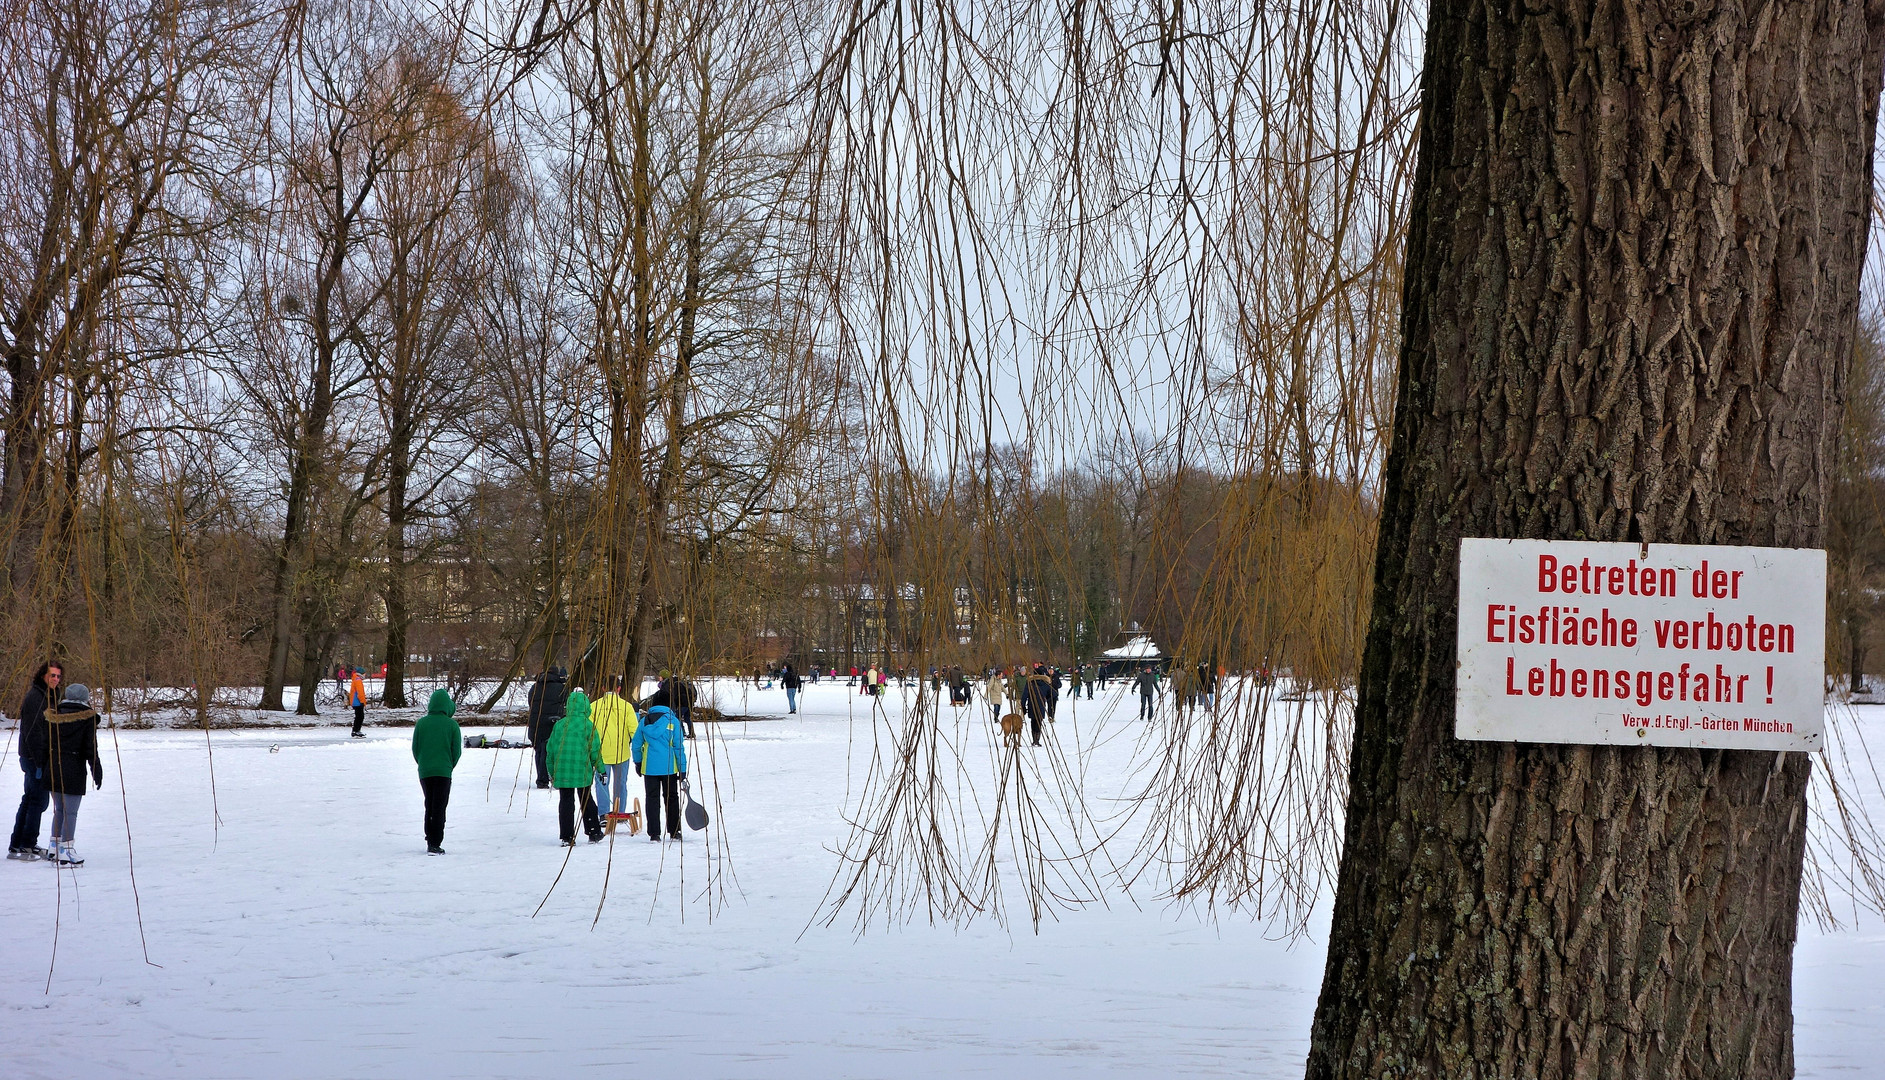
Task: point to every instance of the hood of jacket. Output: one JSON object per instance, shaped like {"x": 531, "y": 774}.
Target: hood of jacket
{"x": 68, "y": 711}
{"x": 441, "y": 704}
{"x": 577, "y": 707}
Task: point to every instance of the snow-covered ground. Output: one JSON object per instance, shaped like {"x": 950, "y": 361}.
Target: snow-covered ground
{"x": 307, "y": 933}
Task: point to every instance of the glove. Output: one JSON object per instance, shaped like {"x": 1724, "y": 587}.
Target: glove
{"x": 683, "y": 778}
{"x": 98, "y": 776}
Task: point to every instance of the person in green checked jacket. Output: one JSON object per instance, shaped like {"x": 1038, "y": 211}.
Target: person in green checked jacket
{"x": 575, "y": 759}
{"x": 437, "y": 746}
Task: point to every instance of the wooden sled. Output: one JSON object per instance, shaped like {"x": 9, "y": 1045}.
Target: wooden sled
{"x": 632, "y": 819}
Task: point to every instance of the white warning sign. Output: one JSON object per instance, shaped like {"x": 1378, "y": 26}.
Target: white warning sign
{"x": 1565, "y": 641}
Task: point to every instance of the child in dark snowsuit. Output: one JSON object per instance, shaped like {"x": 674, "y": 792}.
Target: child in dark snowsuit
{"x": 71, "y": 752}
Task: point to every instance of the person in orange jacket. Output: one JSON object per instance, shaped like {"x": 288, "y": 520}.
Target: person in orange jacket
{"x": 357, "y": 697}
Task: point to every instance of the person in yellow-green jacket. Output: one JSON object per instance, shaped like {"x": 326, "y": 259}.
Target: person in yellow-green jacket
{"x": 575, "y": 758}
{"x": 615, "y": 722}
{"x": 437, "y": 746}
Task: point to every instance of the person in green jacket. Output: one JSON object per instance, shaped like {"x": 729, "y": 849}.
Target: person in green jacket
{"x": 575, "y": 758}
{"x": 437, "y": 746}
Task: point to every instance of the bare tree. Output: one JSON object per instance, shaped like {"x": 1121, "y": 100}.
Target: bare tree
{"x": 115, "y": 125}
{"x": 438, "y": 208}
{"x": 346, "y": 121}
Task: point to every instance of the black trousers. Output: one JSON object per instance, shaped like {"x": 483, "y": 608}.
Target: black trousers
{"x": 438, "y": 792}
{"x": 566, "y": 813}
{"x": 541, "y": 748}
{"x": 1034, "y": 723}
{"x": 1145, "y": 706}
{"x": 359, "y": 716}
{"x": 659, "y": 788}
{"x": 33, "y": 802}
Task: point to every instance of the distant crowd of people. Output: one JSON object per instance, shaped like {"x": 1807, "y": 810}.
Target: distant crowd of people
{"x": 583, "y": 749}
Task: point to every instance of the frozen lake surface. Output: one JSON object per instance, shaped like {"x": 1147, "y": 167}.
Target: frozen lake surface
{"x": 309, "y": 935}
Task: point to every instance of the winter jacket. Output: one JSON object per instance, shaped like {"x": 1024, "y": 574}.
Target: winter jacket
{"x": 356, "y": 691}
{"x": 549, "y": 698}
{"x": 993, "y": 690}
{"x": 1037, "y": 694}
{"x": 437, "y": 743}
{"x": 575, "y": 749}
{"x": 33, "y": 725}
{"x": 1147, "y": 682}
{"x": 658, "y": 744}
{"x": 72, "y": 748}
{"x": 615, "y": 722}
{"x": 790, "y": 678}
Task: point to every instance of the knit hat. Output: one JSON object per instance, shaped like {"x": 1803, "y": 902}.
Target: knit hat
{"x": 77, "y": 694}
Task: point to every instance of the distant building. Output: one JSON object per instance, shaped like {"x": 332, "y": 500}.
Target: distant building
{"x": 1138, "y": 651}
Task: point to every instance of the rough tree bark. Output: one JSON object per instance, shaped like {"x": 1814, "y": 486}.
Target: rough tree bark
{"x": 1632, "y": 285}
{"x": 305, "y": 472}
{"x": 398, "y": 610}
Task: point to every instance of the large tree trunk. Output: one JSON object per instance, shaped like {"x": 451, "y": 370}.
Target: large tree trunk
{"x": 317, "y": 649}
{"x": 282, "y": 585}
{"x": 1631, "y": 293}
{"x": 398, "y": 610}
{"x": 1855, "y": 654}
{"x": 22, "y": 480}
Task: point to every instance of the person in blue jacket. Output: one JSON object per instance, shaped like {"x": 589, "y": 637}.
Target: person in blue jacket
{"x": 662, "y": 751}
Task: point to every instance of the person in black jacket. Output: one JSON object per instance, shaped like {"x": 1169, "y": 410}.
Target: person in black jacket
{"x": 71, "y": 752}
{"x": 39, "y": 697}
{"x": 1036, "y": 693}
{"x": 548, "y": 697}
{"x": 675, "y": 693}
{"x": 1147, "y": 684}
{"x": 790, "y": 677}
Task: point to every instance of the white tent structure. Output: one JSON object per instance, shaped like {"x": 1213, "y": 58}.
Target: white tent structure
{"x": 1138, "y": 651}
